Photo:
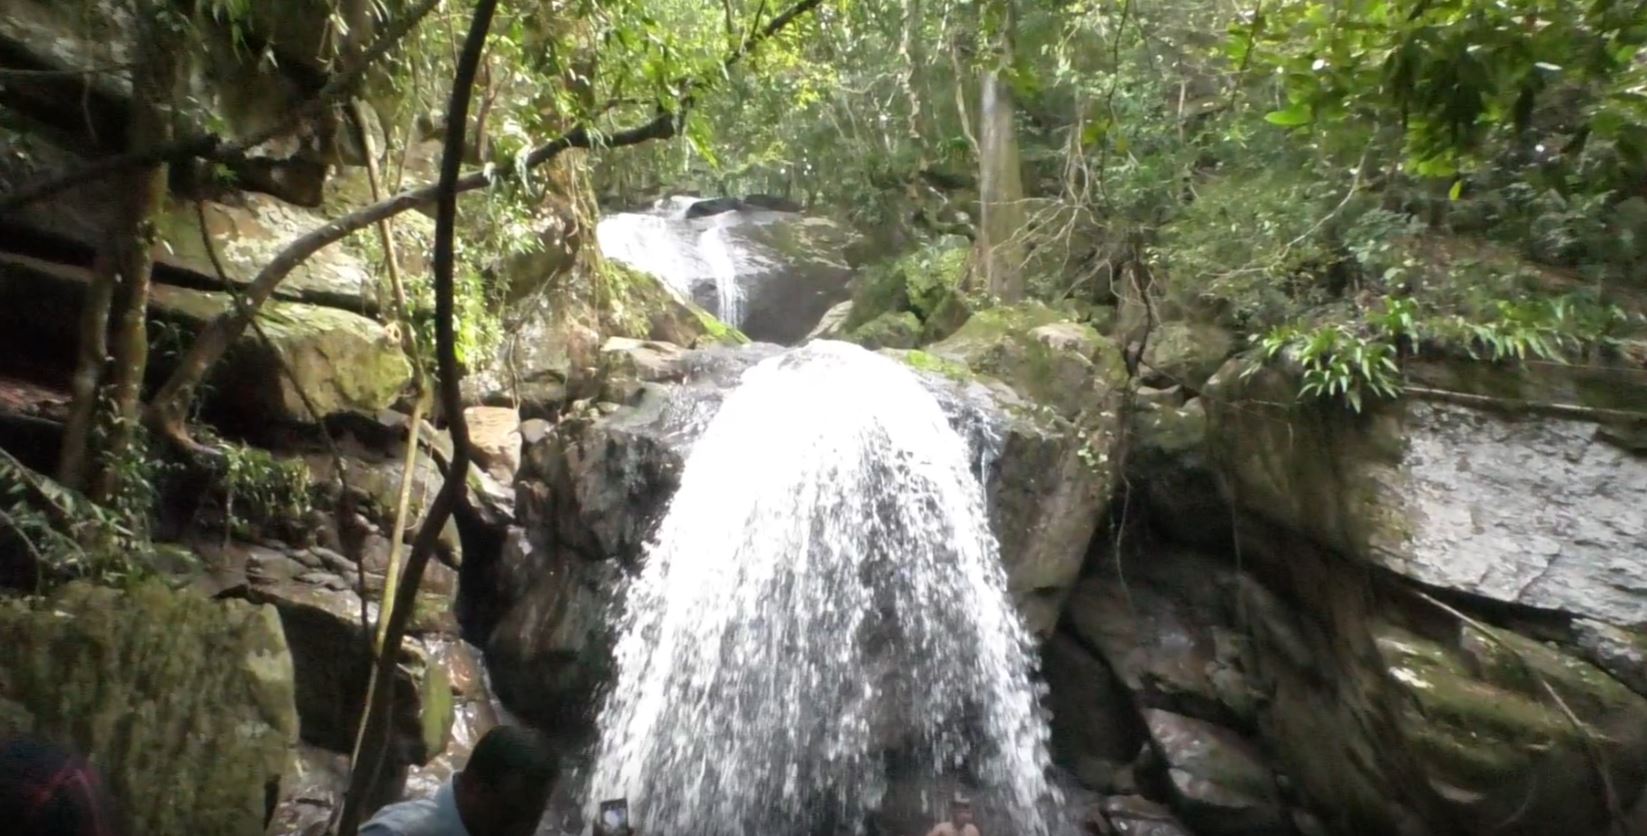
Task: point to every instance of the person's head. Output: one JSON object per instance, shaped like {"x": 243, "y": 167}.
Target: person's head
{"x": 46, "y": 790}
{"x": 960, "y": 811}
{"x": 503, "y": 788}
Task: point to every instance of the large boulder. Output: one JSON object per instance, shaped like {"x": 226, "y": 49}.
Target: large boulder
{"x": 1515, "y": 735}
{"x": 186, "y": 705}
{"x": 1479, "y": 492}
{"x": 770, "y": 274}
{"x": 342, "y": 361}
{"x": 1422, "y": 619}
{"x": 315, "y": 591}
{"x": 1181, "y": 353}
{"x": 591, "y": 490}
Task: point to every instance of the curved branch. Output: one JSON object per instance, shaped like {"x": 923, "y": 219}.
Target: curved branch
{"x": 213, "y": 146}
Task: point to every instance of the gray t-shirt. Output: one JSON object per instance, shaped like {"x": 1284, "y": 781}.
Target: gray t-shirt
{"x": 437, "y": 816}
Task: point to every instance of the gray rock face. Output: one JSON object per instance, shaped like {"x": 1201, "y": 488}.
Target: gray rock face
{"x": 1537, "y": 511}
{"x": 771, "y": 274}
{"x": 1094, "y": 729}
{"x": 1532, "y": 510}
{"x": 313, "y": 590}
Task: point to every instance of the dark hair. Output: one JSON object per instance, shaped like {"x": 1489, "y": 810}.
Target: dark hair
{"x": 512, "y": 753}
{"x": 47, "y": 790}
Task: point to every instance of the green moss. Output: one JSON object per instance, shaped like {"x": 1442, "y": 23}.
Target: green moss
{"x": 919, "y": 283}
{"x": 717, "y": 330}
{"x": 889, "y": 330}
{"x": 927, "y": 362}
{"x": 185, "y": 704}
{"x": 1481, "y": 720}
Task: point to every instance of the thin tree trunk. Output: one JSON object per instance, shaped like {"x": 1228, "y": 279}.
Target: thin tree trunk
{"x": 375, "y": 720}
{"x": 74, "y": 458}
{"x": 912, "y": 50}
{"x": 132, "y": 247}
{"x": 1000, "y": 176}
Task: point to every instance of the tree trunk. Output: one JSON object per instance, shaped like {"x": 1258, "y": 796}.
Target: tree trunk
{"x": 1000, "y": 178}
{"x": 912, "y": 49}
{"x": 74, "y": 459}
{"x": 131, "y": 246}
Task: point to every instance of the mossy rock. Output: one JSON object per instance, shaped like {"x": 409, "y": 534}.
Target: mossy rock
{"x": 922, "y": 283}
{"x": 343, "y": 361}
{"x": 1038, "y": 353}
{"x": 1493, "y": 741}
{"x": 1187, "y": 353}
{"x": 186, "y": 705}
{"x": 889, "y": 330}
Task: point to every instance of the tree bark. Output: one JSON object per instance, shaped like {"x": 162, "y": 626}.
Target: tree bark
{"x": 375, "y": 720}
{"x": 74, "y": 459}
{"x": 1000, "y": 176}
{"x": 132, "y": 246}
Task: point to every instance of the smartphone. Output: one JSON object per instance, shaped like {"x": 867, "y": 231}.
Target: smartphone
{"x": 614, "y": 816}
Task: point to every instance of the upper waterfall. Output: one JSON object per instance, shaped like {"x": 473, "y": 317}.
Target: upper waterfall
{"x": 770, "y": 272}
{"x": 823, "y": 602}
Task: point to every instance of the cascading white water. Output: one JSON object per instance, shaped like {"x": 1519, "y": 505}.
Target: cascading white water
{"x": 823, "y": 596}
{"x": 723, "y": 265}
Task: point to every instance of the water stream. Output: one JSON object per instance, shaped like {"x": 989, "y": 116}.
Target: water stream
{"x": 822, "y": 619}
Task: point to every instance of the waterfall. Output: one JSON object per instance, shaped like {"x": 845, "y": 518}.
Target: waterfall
{"x": 823, "y": 600}
{"x": 723, "y": 265}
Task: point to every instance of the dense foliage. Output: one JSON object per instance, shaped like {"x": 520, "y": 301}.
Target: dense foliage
{"x": 1293, "y": 169}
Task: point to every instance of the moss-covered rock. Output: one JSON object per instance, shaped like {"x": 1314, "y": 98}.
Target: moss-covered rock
{"x": 1033, "y": 349}
{"x": 185, "y": 704}
{"x": 1509, "y": 729}
{"x": 344, "y": 362}
{"x": 925, "y": 283}
{"x": 1186, "y": 353}
{"x": 889, "y": 330}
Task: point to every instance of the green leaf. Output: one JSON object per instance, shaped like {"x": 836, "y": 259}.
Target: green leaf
{"x": 1457, "y": 190}
{"x": 1292, "y": 117}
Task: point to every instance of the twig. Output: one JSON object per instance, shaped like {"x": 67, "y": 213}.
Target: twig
{"x": 11, "y": 72}
{"x": 1562, "y": 410}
